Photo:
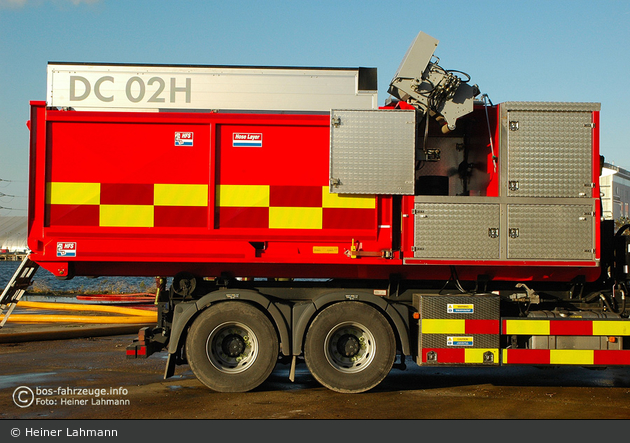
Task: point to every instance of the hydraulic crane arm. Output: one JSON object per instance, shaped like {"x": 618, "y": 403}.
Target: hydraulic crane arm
{"x": 424, "y": 84}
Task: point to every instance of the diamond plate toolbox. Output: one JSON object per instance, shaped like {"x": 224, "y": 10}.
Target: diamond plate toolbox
{"x": 458, "y": 325}
{"x": 438, "y": 232}
{"x": 372, "y": 152}
{"x": 549, "y": 148}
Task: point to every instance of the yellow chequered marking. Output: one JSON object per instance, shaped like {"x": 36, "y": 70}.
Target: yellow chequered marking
{"x": 443, "y": 326}
{"x": 347, "y": 201}
{"x": 180, "y": 195}
{"x": 571, "y": 357}
{"x": 295, "y": 218}
{"x": 58, "y": 193}
{"x": 476, "y": 355}
{"x": 243, "y": 196}
{"x": 611, "y": 328}
{"x": 527, "y": 327}
{"x": 130, "y": 216}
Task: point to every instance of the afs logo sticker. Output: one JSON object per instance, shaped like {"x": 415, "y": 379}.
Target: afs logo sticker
{"x": 246, "y": 140}
{"x": 184, "y": 138}
{"x": 66, "y": 249}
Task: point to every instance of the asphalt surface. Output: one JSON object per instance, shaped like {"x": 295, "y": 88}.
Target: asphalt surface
{"x": 70, "y": 377}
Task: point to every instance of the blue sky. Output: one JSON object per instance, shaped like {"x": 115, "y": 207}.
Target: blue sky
{"x": 514, "y": 50}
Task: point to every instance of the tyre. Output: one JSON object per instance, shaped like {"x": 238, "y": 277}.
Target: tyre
{"x": 232, "y": 347}
{"x": 350, "y": 347}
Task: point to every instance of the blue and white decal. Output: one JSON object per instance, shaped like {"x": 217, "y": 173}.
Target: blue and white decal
{"x": 247, "y": 140}
{"x": 184, "y": 138}
{"x": 66, "y": 249}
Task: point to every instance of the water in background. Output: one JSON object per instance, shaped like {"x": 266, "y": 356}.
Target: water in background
{"x": 44, "y": 282}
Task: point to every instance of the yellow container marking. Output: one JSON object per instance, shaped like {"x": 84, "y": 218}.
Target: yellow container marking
{"x": 527, "y": 327}
{"x": 571, "y": 357}
{"x": 325, "y": 250}
{"x": 443, "y": 326}
{"x": 347, "y": 201}
{"x": 611, "y": 328}
{"x": 242, "y": 196}
{"x": 476, "y": 355}
{"x": 504, "y": 357}
{"x": 180, "y": 195}
{"x": 129, "y": 216}
{"x": 58, "y": 193}
{"x": 295, "y": 218}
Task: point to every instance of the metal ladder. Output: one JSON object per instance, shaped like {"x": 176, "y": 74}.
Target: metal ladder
{"x": 16, "y": 287}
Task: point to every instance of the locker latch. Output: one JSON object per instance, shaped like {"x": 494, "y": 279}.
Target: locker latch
{"x": 493, "y": 232}
{"x": 513, "y": 185}
{"x": 513, "y": 233}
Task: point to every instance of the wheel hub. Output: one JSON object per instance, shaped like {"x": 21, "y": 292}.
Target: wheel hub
{"x": 233, "y": 345}
{"x": 348, "y": 345}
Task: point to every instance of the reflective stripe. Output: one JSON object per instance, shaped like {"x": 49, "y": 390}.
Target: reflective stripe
{"x": 132, "y": 216}
{"x": 443, "y": 326}
{"x": 295, "y": 218}
{"x": 180, "y": 195}
{"x": 571, "y": 357}
{"x": 611, "y": 328}
{"x": 475, "y": 355}
{"x": 347, "y": 201}
{"x": 243, "y": 196}
{"x": 58, "y": 193}
{"x": 527, "y": 327}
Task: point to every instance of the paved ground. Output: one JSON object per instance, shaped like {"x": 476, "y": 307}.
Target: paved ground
{"x": 55, "y": 369}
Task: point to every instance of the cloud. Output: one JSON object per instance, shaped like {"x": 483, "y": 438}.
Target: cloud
{"x": 15, "y": 4}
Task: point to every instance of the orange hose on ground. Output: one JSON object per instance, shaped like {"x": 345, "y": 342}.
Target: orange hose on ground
{"x": 83, "y": 307}
{"x": 45, "y": 318}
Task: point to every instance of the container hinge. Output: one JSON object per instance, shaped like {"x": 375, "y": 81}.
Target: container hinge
{"x": 335, "y": 121}
{"x": 493, "y": 232}
{"x": 589, "y": 185}
{"x": 335, "y": 182}
{"x": 513, "y": 232}
{"x": 513, "y": 185}
{"x": 589, "y": 125}
{"x": 514, "y": 125}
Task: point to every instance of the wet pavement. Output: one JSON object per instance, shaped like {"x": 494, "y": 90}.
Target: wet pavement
{"x": 90, "y": 378}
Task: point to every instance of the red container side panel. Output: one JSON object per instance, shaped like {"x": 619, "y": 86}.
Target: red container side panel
{"x": 193, "y": 191}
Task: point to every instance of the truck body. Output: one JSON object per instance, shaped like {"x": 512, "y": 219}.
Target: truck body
{"x": 439, "y": 226}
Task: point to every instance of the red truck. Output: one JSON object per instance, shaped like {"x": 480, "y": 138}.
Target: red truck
{"x": 301, "y": 222}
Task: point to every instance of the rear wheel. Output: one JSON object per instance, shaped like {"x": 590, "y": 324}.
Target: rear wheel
{"x": 350, "y": 347}
{"x": 232, "y": 347}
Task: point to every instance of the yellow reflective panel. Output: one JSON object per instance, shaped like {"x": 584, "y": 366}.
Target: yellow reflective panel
{"x": 58, "y": 193}
{"x": 129, "y": 216}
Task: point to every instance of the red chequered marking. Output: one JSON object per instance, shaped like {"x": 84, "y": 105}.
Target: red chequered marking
{"x": 295, "y": 196}
{"x": 446, "y": 355}
{"x": 528, "y": 356}
{"x": 126, "y": 194}
{"x": 347, "y": 218}
{"x": 611, "y": 357}
{"x": 571, "y": 327}
{"x": 243, "y": 217}
{"x": 482, "y": 326}
{"x": 72, "y": 215}
{"x": 180, "y": 216}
